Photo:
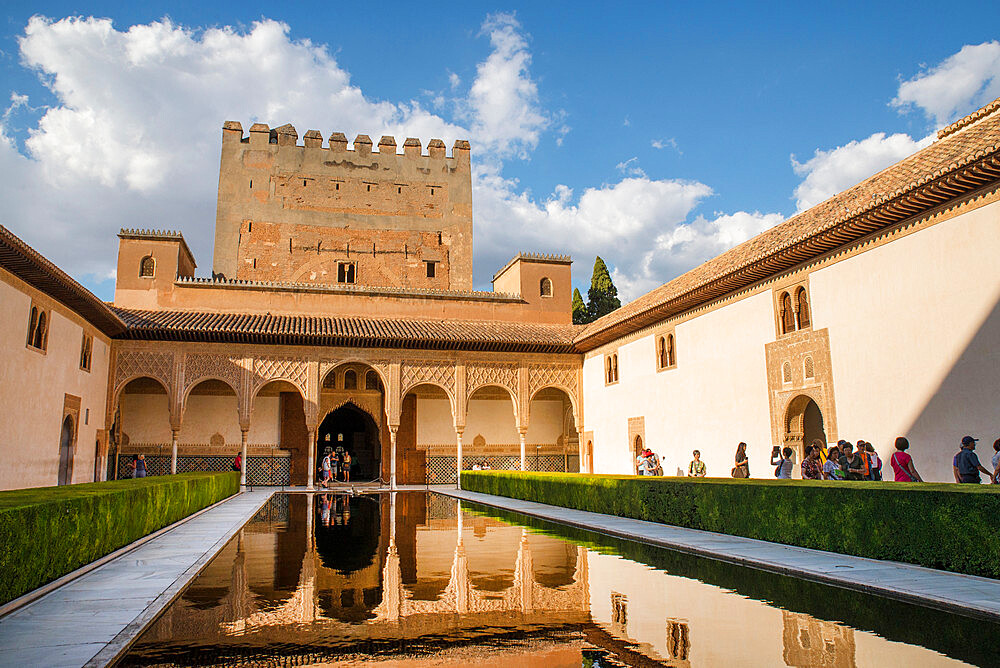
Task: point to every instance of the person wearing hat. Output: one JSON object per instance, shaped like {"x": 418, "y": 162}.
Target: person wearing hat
{"x": 966, "y": 464}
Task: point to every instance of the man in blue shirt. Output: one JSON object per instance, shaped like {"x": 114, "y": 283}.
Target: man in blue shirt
{"x": 966, "y": 464}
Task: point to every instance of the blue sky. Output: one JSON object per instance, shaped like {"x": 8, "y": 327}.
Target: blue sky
{"x": 657, "y": 135}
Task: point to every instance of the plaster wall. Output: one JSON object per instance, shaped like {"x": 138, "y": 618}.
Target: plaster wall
{"x": 493, "y": 419}
{"x": 146, "y": 419}
{"x": 715, "y": 397}
{"x": 33, "y": 386}
{"x": 915, "y": 340}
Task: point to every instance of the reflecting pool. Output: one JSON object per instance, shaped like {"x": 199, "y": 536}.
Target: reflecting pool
{"x": 417, "y": 578}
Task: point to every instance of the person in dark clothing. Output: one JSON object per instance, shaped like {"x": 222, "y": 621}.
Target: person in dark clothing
{"x": 966, "y": 464}
{"x": 851, "y": 464}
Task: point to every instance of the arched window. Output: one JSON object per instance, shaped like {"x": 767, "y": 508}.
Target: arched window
{"x": 40, "y": 332}
{"x": 803, "y": 299}
{"x": 661, "y": 352}
{"x": 670, "y": 350}
{"x": 607, "y": 369}
{"x": 147, "y": 267}
{"x": 614, "y": 367}
{"x": 786, "y": 372}
{"x": 350, "y": 380}
{"x": 545, "y": 287}
{"x": 787, "y": 314}
{"x": 371, "y": 381}
{"x": 32, "y": 324}
{"x": 809, "y": 368}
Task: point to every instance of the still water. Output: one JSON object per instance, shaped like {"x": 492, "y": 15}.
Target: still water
{"x": 416, "y": 579}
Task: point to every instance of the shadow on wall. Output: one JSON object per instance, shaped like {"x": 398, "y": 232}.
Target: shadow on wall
{"x": 966, "y": 402}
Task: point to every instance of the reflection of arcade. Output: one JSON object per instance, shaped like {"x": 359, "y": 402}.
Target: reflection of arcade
{"x": 354, "y": 574}
{"x": 813, "y": 642}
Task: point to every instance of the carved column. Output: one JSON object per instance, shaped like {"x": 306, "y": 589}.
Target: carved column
{"x": 522, "y": 434}
{"x": 173, "y": 450}
{"x": 458, "y": 458}
{"x": 392, "y": 456}
{"x": 311, "y": 461}
{"x": 243, "y": 457}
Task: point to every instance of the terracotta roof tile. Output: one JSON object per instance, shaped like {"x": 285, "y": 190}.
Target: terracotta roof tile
{"x": 347, "y": 331}
{"x": 964, "y": 159}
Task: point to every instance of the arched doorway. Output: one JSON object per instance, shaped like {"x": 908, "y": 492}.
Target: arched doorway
{"x": 350, "y": 429}
{"x": 143, "y": 427}
{"x": 552, "y": 432}
{"x": 66, "y": 452}
{"x": 803, "y": 424}
{"x": 636, "y": 451}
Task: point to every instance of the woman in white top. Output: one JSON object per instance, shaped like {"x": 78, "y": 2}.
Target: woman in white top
{"x": 996, "y": 461}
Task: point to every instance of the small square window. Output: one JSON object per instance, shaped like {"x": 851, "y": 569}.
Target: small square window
{"x": 431, "y": 269}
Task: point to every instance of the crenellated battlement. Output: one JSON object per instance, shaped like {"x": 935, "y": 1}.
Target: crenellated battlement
{"x": 260, "y": 135}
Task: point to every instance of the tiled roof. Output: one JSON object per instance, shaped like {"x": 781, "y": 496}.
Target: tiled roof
{"x": 347, "y": 331}
{"x": 31, "y": 267}
{"x": 965, "y": 158}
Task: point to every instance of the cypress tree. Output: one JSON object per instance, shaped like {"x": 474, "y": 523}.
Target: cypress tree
{"x": 602, "y": 298}
{"x": 579, "y": 308}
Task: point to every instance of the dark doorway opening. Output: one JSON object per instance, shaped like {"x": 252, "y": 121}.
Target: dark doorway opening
{"x": 352, "y": 430}
{"x": 812, "y": 424}
{"x": 66, "y": 452}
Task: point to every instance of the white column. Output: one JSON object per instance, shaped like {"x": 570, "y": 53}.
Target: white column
{"x": 173, "y": 450}
{"x": 243, "y": 457}
{"x": 392, "y": 462}
{"x": 311, "y": 477}
{"x": 458, "y": 459}
{"x": 523, "y": 434}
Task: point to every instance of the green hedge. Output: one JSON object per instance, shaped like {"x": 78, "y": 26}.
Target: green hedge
{"x": 945, "y": 526}
{"x": 47, "y": 532}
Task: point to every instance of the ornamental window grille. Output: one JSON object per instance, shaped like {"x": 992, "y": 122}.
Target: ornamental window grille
{"x": 147, "y": 267}
{"x": 786, "y": 372}
{"x": 809, "y": 368}
{"x": 545, "y": 287}
{"x": 350, "y": 380}
{"x": 372, "y": 381}
{"x": 787, "y": 314}
{"x": 802, "y": 298}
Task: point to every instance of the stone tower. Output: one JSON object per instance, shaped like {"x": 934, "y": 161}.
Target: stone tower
{"x": 314, "y": 214}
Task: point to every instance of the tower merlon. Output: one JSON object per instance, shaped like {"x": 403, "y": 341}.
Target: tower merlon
{"x": 260, "y": 135}
{"x": 313, "y": 139}
{"x": 387, "y": 144}
{"x": 286, "y": 135}
{"x": 436, "y": 148}
{"x": 363, "y": 145}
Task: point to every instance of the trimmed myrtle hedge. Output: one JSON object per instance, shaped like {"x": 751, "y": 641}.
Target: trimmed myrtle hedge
{"x": 47, "y": 532}
{"x": 946, "y": 526}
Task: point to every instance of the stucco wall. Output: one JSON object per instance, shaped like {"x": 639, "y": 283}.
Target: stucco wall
{"x": 914, "y": 329}
{"x": 33, "y": 386}
{"x": 492, "y": 419}
{"x": 714, "y": 398}
{"x": 145, "y": 419}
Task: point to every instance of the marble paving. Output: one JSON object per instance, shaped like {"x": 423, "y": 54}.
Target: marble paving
{"x": 92, "y": 619}
{"x": 954, "y": 592}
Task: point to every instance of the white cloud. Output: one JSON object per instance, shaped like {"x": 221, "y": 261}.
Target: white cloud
{"x": 829, "y": 172}
{"x": 503, "y": 100}
{"x": 630, "y": 167}
{"x": 960, "y": 83}
{"x": 661, "y": 144}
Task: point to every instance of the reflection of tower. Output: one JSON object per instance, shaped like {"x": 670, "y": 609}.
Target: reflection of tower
{"x": 619, "y": 614}
{"x": 813, "y": 642}
{"x": 239, "y": 592}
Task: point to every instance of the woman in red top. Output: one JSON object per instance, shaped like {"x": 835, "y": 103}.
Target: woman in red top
{"x": 902, "y": 463}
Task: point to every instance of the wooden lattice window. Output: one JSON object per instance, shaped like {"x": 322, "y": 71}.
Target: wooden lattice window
{"x": 350, "y": 380}
{"x": 147, "y": 267}
{"x": 545, "y": 287}
{"x": 787, "y": 314}
{"x": 803, "y": 299}
{"x": 786, "y": 372}
{"x": 86, "y": 351}
{"x": 371, "y": 381}
{"x": 809, "y": 368}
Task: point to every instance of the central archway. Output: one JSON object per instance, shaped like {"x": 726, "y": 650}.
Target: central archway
{"x": 803, "y": 425}
{"x": 351, "y": 429}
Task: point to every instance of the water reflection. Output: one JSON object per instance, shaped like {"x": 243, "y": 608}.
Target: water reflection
{"x": 413, "y": 577}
